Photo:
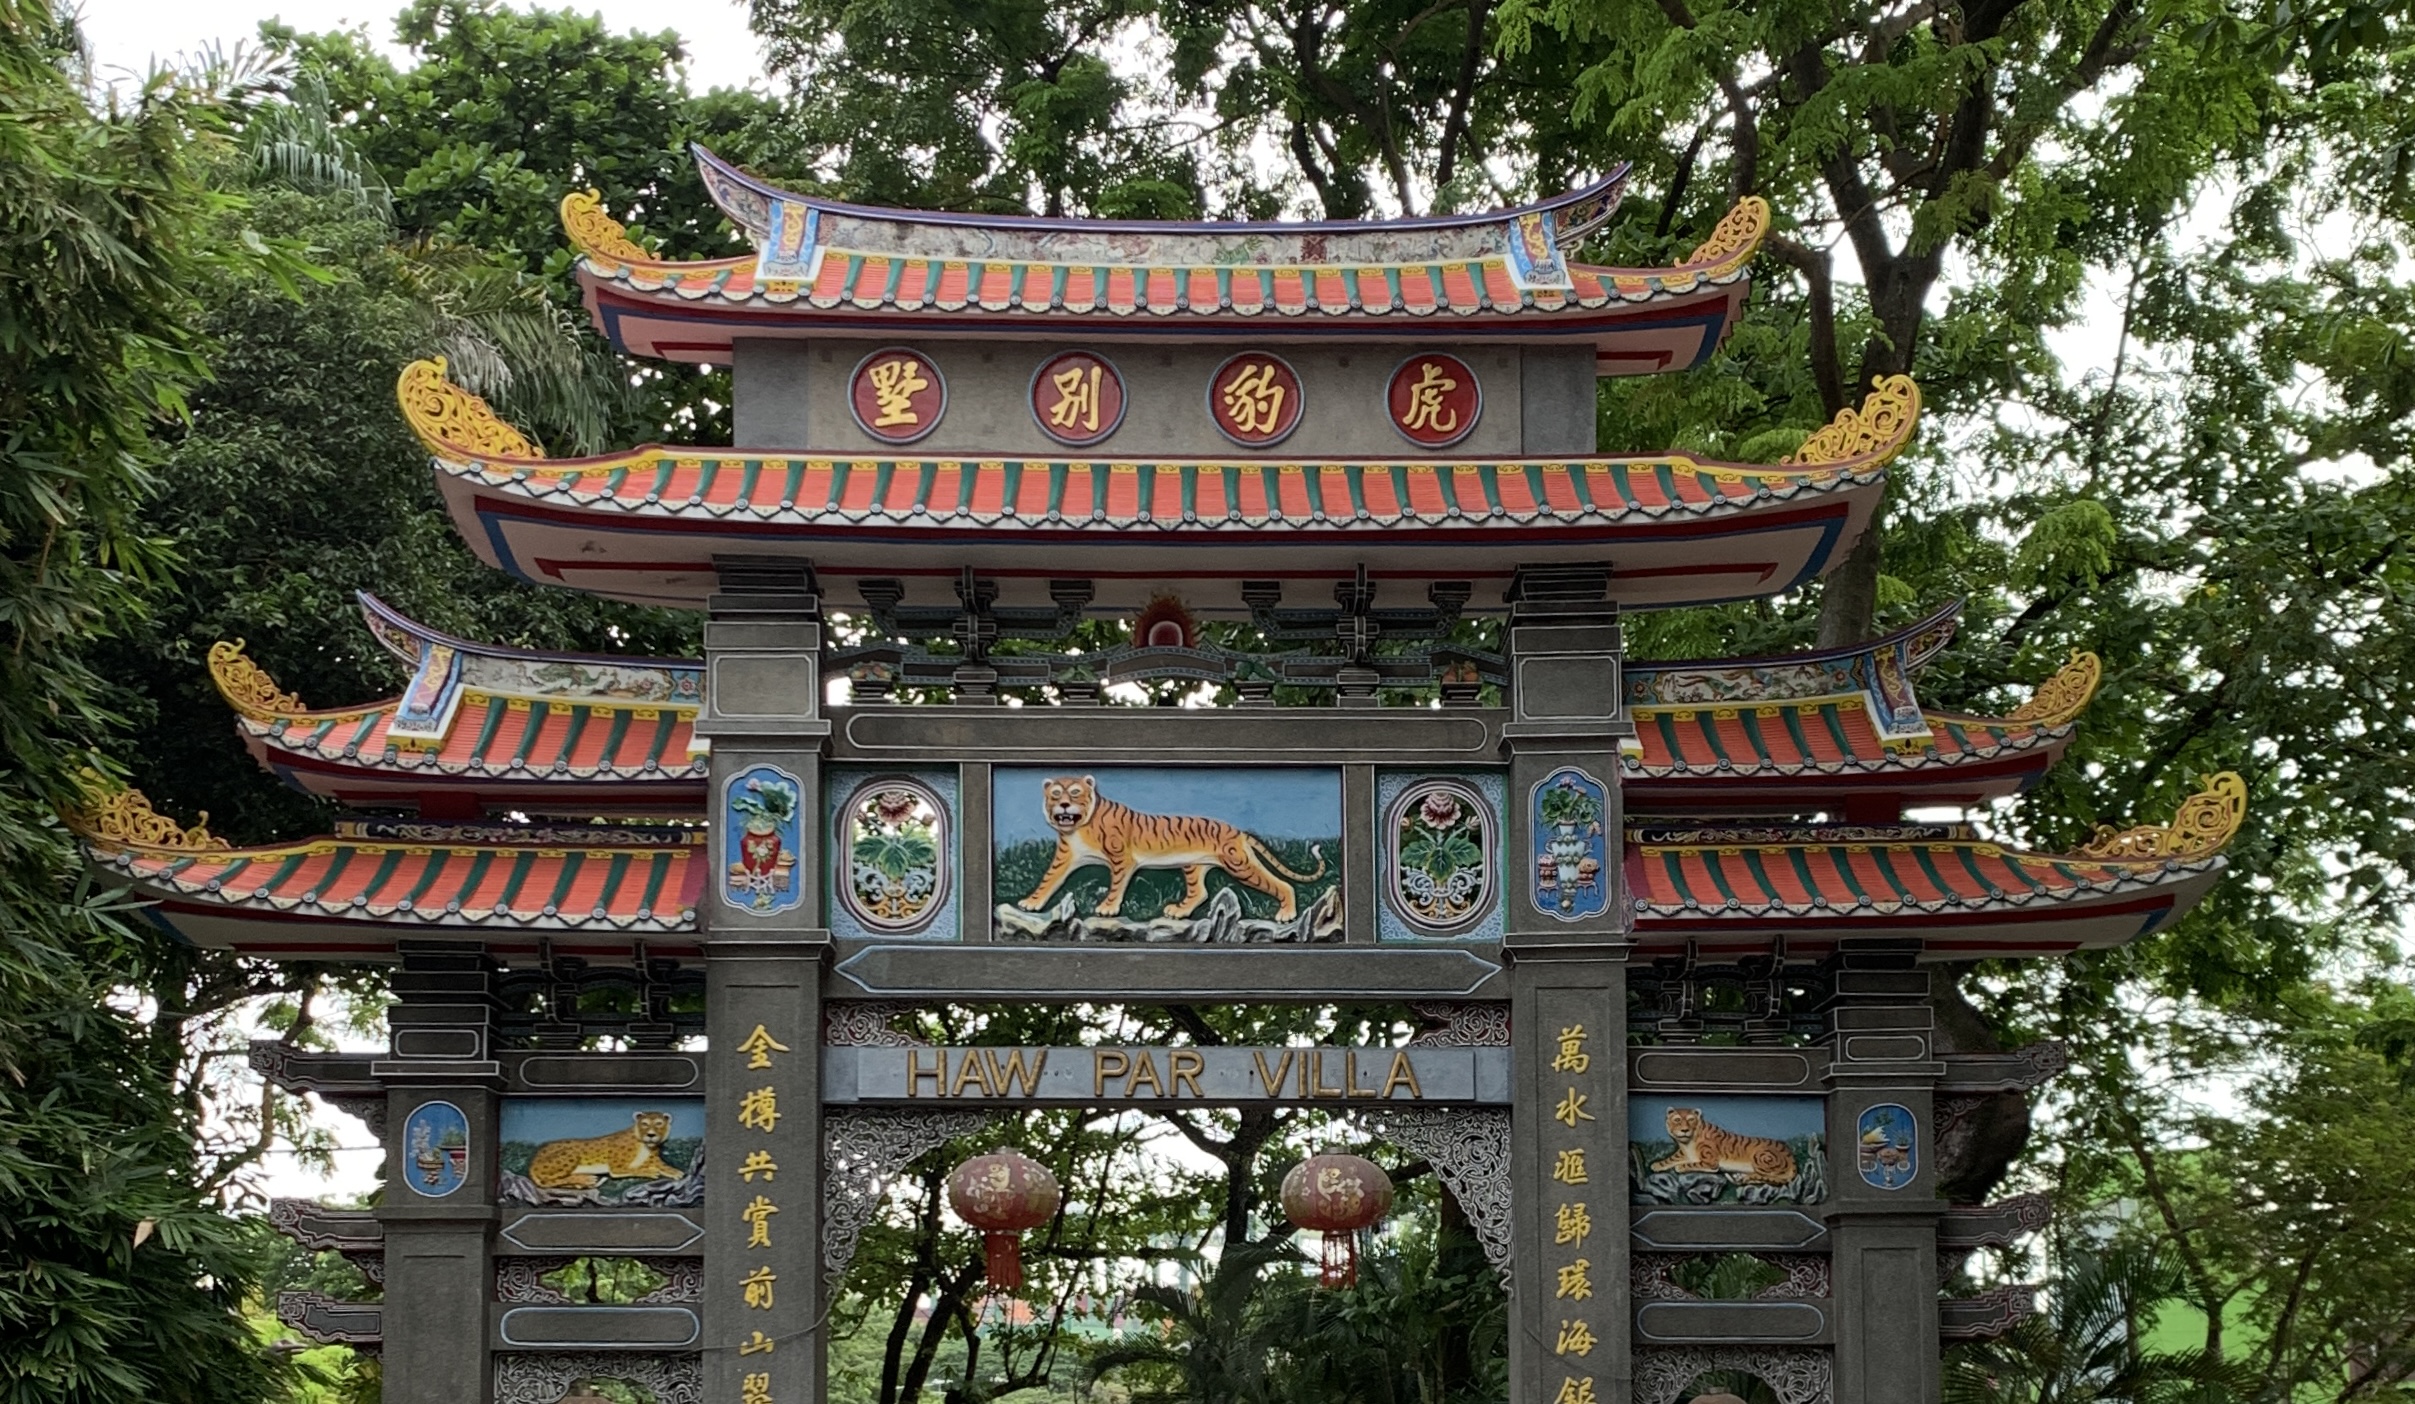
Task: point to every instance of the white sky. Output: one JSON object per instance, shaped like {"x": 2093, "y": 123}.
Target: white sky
{"x": 131, "y": 35}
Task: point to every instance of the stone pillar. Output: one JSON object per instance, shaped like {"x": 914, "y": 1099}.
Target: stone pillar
{"x": 1882, "y": 1215}
{"x": 438, "y": 1209}
{"x": 765, "y": 944}
{"x": 1566, "y": 940}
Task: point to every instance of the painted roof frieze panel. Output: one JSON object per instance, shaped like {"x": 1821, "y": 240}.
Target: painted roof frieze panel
{"x": 1011, "y": 518}
{"x": 1964, "y": 895}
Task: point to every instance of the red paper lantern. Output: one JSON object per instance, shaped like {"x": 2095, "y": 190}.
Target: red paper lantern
{"x": 1337, "y": 1195}
{"x": 1002, "y": 1194}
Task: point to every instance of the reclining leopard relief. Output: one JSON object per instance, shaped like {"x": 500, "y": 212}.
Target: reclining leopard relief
{"x": 582, "y": 1163}
{"x": 1091, "y": 828}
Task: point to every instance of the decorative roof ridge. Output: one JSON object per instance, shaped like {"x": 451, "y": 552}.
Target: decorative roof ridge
{"x": 121, "y": 816}
{"x": 381, "y": 616}
{"x": 605, "y": 245}
{"x": 216, "y": 849}
{"x": 2199, "y": 830}
{"x": 249, "y": 689}
{"x": 727, "y": 185}
{"x": 1928, "y": 636}
{"x": 440, "y": 411}
{"x": 2060, "y": 699}
{"x": 1885, "y": 417}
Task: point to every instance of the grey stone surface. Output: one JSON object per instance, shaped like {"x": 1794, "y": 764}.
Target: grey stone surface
{"x": 1107, "y": 735}
{"x": 1559, "y": 400}
{"x": 767, "y": 406}
{"x": 1073, "y": 971}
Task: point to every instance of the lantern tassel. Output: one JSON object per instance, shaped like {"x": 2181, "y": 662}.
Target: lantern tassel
{"x": 1339, "y": 1261}
{"x": 1004, "y": 1253}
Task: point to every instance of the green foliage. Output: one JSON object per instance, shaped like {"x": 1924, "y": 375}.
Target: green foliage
{"x": 2086, "y": 1346}
{"x": 122, "y": 1280}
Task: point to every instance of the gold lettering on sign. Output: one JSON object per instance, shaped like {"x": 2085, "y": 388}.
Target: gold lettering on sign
{"x": 1426, "y": 410}
{"x": 1576, "y": 1281}
{"x": 1571, "y": 1109}
{"x": 1185, "y": 1065}
{"x": 1144, "y": 1068}
{"x": 1077, "y": 405}
{"x": 1575, "y": 1338}
{"x": 937, "y": 1072}
{"x": 1107, "y": 1063}
{"x": 758, "y": 1163}
{"x": 755, "y": 1389}
{"x": 1575, "y": 1389}
{"x": 1011, "y": 1071}
{"x": 758, "y": 1285}
{"x": 1571, "y": 1224}
{"x": 758, "y": 1221}
{"x": 757, "y": 1344}
{"x": 1272, "y": 1081}
{"x": 1403, "y": 1074}
{"x": 894, "y": 385}
{"x": 971, "y": 1068}
{"x": 1568, "y": 1167}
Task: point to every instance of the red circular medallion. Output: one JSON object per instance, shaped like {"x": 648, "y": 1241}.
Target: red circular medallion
{"x": 1434, "y": 400}
{"x": 1254, "y": 399}
{"x": 1077, "y": 398}
{"x": 897, "y": 395}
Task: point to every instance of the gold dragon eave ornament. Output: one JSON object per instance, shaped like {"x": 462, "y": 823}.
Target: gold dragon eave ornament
{"x": 2060, "y": 699}
{"x": 2207, "y": 820}
{"x": 121, "y": 814}
{"x": 446, "y": 416}
{"x": 247, "y": 687}
{"x": 1881, "y": 426}
{"x": 1734, "y": 240}
{"x": 596, "y": 234}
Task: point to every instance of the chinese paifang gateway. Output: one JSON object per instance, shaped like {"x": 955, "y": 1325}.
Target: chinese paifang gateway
{"x": 1666, "y": 920}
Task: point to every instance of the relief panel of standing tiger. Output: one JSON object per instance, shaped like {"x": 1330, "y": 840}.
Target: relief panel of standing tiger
{"x": 1207, "y": 855}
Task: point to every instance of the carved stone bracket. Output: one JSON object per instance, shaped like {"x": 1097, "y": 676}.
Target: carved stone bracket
{"x": 1470, "y": 1025}
{"x": 1797, "y": 1375}
{"x": 1469, "y": 1149}
{"x": 369, "y": 1109}
{"x": 1988, "y": 1314}
{"x": 865, "y": 1023}
{"x": 331, "y": 1320}
{"x": 546, "y": 1379}
{"x": 521, "y": 1281}
{"x": 862, "y": 1150}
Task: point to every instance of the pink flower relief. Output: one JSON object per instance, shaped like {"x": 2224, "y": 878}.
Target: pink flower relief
{"x": 1441, "y": 809}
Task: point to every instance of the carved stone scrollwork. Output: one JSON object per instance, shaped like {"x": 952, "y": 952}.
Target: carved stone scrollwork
{"x": 683, "y": 1281}
{"x": 862, "y": 1150}
{"x": 1470, "y": 1025}
{"x": 521, "y": 1281}
{"x": 1800, "y": 1375}
{"x": 860, "y": 1023}
{"x": 1652, "y": 1277}
{"x": 546, "y": 1379}
{"x": 370, "y": 1265}
{"x": 1469, "y": 1149}
{"x": 1806, "y": 1275}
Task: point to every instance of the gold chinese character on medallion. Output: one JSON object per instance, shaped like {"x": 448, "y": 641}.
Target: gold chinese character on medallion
{"x": 759, "y": 1046}
{"x": 1253, "y": 399}
{"x": 759, "y": 1110}
{"x": 758, "y": 1221}
{"x": 1427, "y": 413}
{"x": 1077, "y": 406}
{"x": 895, "y": 383}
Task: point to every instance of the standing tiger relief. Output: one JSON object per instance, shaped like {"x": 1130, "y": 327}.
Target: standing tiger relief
{"x": 1165, "y": 854}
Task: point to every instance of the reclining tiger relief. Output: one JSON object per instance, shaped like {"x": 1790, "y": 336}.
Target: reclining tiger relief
{"x": 1075, "y": 862}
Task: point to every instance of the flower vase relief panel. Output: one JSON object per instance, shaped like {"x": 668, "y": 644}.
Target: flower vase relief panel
{"x": 1205, "y": 855}
{"x": 436, "y": 1149}
{"x": 1572, "y": 877}
{"x": 761, "y": 833}
{"x": 893, "y": 860}
{"x": 1439, "y": 837}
